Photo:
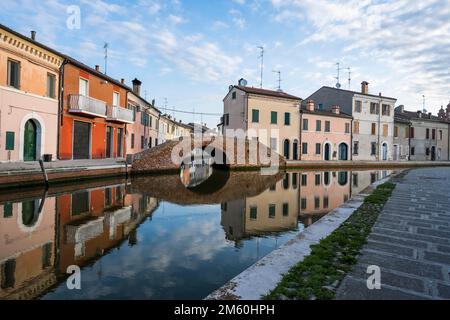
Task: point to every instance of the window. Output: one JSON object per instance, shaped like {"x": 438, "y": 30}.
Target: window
{"x": 347, "y": 128}
{"x": 226, "y": 119}
{"x": 80, "y": 203}
{"x": 287, "y": 119}
{"x": 273, "y": 117}
{"x": 304, "y": 180}
{"x": 255, "y": 116}
{"x": 374, "y": 108}
{"x": 325, "y": 202}
{"x": 428, "y": 134}
{"x": 253, "y": 213}
{"x": 51, "y": 84}
{"x": 285, "y": 209}
{"x": 10, "y": 135}
{"x": 151, "y": 120}
{"x": 385, "y": 130}
{"x": 386, "y": 110}
{"x": 7, "y": 210}
{"x": 355, "y": 148}
{"x": 132, "y": 141}
{"x": 272, "y": 209}
{"x": 427, "y": 151}
{"x": 412, "y": 133}
{"x": 317, "y": 179}
{"x": 356, "y": 127}
{"x": 304, "y": 203}
{"x": 14, "y": 74}
{"x": 440, "y": 134}
{"x": 374, "y": 129}
{"x": 150, "y": 143}
{"x": 373, "y": 148}
{"x": 327, "y": 126}
{"x": 316, "y": 202}
{"x": 433, "y": 134}
{"x": 305, "y": 124}
{"x": 142, "y": 142}
{"x": 233, "y": 95}
{"x": 294, "y": 180}
{"x": 84, "y": 87}
{"x": 318, "y": 148}
{"x": 116, "y": 98}
{"x": 304, "y": 148}
{"x": 355, "y": 180}
{"x": 413, "y": 151}
{"x": 395, "y": 132}
{"x": 318, "y": 125}
{"x": 358, "y": 106}
{"x": 273, "y": 143}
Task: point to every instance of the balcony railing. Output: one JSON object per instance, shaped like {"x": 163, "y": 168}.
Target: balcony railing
{"x": 118, "y": 114}
{"x": 86, "y": 105}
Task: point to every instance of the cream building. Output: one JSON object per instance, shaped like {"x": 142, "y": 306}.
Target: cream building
{"x": 272, "y": 117}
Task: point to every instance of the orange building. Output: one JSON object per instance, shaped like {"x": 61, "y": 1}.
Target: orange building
{"x": 94, "y": 115}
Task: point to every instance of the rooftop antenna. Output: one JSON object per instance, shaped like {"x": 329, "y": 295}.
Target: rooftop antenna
{"x": 338, "y": 85}
{"x": 145, "y": 94}
{"x": 349, "y": 78}
{"x": 279, "y": 78}
{"x": 424, "y": 110}
{"x": 106, "y": 57}
{"x": 262, "y": 65}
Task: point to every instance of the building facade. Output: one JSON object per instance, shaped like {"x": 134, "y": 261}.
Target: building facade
{"x": 373, "y": 119}
{"x": 325, "y": 134}
{"x": 29, "y": 81}
{"x": 428, "y": 138}
{"x": 272, "y": 117}
{"x": 402, "y": 129}
{"x": 94, "y": 114}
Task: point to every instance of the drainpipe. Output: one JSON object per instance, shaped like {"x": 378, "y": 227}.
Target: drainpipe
{"x": 301, "y": 136}
{"x": 351, "y": 142}
{"x": 409, "y": 141}
{"x": 380, "y": 107}
{"x": 60, "y": 106}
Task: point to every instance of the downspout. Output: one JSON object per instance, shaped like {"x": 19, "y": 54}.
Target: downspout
{"x": 409, "y": 140}
{"x": 301, "y": 136}
{"x": 379, "y": 127}
{"x": 60, "y": 106}
{"x": 351, "y": 142}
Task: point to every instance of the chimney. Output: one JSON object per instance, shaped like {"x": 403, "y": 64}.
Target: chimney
{"x": 122, "y": 81}
{"x": 429, "y": 115}
{"x": 97, "y": 68}
{"x": 419, "y": 114}
{"x": 336, "y": 109}
{"x": 364, "y": 87}
{"x": 400, "y": 108}
{"x": 137, "y": 86}
{"x": 310, "y": 105}
{"x": 33, "y": 35}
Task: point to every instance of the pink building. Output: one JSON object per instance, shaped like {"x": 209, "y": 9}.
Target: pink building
{"x": 325, "y": 135}
{"x": 29, "y": 77}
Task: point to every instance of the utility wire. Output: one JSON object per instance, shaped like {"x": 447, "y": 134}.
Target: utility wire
{"x": 193, "y": 112}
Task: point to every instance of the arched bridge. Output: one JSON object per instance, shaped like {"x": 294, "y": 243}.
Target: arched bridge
{"x": 231, "y": 153}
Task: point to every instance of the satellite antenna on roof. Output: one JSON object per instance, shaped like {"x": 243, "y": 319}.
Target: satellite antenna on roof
{"x": 338, "y": 85}
{"x": 243, "y": 82}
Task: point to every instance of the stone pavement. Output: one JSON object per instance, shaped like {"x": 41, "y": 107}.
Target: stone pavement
{"x": 410, "y": 242}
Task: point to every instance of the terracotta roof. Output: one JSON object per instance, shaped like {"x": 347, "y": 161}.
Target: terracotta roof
{"x": 410, "y": 115}
{"x": 327, "y": 113}
{"x": 360, "y": 93}
{"x": 265, "y": 92}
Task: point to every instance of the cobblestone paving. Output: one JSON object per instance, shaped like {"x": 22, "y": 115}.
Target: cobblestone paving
{"x": 410, "y": 242}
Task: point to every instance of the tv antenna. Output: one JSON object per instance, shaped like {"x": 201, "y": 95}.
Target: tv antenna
{"x": 262, "y": 65}
{"x": 349, "y": 78}
{"x": 106, "y": 57}
{"x": 279, "y": 78}
{"x": 338, "y": 85}
{"x": 424, "y": 110}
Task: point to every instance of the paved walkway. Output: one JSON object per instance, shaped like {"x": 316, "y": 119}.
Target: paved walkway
{"x": 410, "y": 242}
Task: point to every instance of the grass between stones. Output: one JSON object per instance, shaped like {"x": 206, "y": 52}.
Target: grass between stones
{"x": 319, "y": 274}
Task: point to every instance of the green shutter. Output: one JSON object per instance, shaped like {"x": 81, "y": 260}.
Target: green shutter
{"x": 9, "y": 140}
{"x": 255, "y": 115}
{"x": 273, "y": 117}
{"x": 287, "y": 119}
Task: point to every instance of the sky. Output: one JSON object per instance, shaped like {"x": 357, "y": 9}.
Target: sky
{"x": 190, "y": 51}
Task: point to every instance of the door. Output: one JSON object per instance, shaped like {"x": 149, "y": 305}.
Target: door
{"x": 396, "y": 153}
{"x": 81, "y": 140}
{"x": 83, "y": 87}
{"x": 29, "y": 144}
{"x": 433, "y": 153}
{"x": 343, "y": 152}
{"x": 119, "y": 142}
{"x": 109, "y": 142}
{"x": 287, "y": 146}
{"x": 295, "y": 150}
{"x": 327, "y": 152}
{"x": 385, "y": 152}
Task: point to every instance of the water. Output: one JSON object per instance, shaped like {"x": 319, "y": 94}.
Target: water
{"x": 154, "y": 238}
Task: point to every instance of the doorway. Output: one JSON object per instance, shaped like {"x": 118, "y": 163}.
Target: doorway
{"x": 343, "y": 152}
{"x": 327, "y": 152}
{"x": 287, "y": 146}
{"x": 295, "y": 150}
{"x": 119, "y": 142}
{"x": 396, "y": 152}
{"x": 30, "y": 141}
{"x": 109, "y": 142}
{"x": 385, "y": 152}
{"x": 433, "y": 153}
{"x": 81, "y": 140}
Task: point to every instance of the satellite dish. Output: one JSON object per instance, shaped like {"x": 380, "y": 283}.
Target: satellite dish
{"x": 243, "y": 82}
{"x": 338, "y": 85}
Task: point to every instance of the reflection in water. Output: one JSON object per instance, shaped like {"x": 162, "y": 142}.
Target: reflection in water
{"x": 196, "y": 169}
{"x": 154, "y": 239}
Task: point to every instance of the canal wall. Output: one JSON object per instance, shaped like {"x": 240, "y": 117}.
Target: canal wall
{"x": 262, "y": 277}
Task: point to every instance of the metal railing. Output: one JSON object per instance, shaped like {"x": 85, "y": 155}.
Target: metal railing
{"x": 115, "y": 113}
{"x": 81, "y": 104}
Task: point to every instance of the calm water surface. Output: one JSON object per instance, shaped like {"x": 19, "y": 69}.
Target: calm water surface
{"x": 153, "y": 238}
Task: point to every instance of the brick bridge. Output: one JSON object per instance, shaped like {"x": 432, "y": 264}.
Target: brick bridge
{"x": 231, "y": 153}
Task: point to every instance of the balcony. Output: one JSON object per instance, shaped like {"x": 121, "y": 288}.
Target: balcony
{"x": 119, "y": 114}
{"x": 87, "y": 106}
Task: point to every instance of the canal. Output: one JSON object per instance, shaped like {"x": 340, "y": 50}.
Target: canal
{"x": 153, "y": 237}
